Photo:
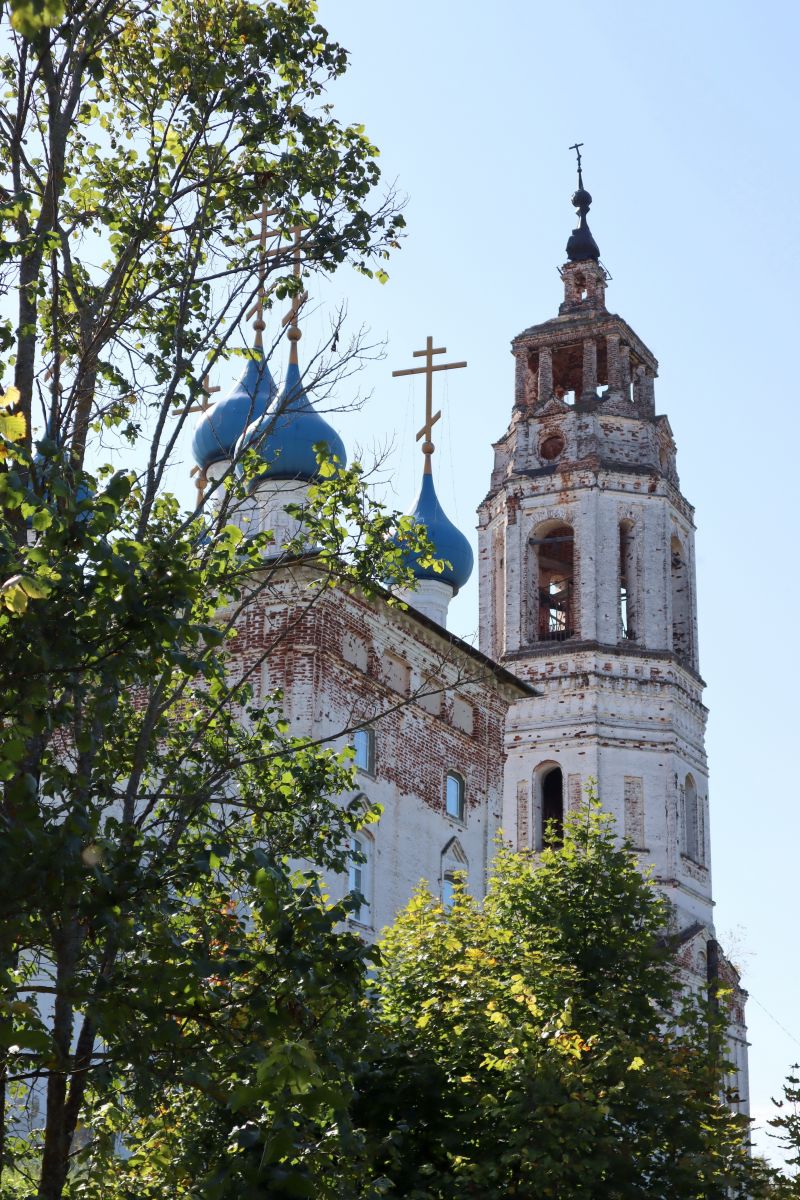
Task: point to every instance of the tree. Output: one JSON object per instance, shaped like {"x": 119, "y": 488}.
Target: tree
{"x": 166, "y": 977}
{"x": 542, "y": 1044}
{"x": 786, "y": 1184}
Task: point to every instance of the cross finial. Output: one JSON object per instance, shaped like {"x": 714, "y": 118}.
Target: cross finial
{"x": 261, "y": 237}
{"x": 205, "y": 403}
{"x": 577, "y": 149}
{"x": 299, "y": 298}
{"x": 200, "y": 483}
{"x": 430, "y": 417}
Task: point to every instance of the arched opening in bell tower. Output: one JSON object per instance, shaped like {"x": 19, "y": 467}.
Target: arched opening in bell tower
{"x": 555, "y": 554}
{"x": 627, "y": 599}
{"x": 681, "y": 602}
{"x": 552, "y": 782}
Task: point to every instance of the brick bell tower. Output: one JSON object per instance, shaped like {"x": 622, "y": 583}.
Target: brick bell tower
{"x": 587, "y": 591}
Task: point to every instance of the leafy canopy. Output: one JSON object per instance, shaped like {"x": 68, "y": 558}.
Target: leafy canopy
{"x": 542, "y": 1044}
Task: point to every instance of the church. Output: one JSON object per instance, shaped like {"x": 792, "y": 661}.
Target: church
{"x": 587, "y": 667}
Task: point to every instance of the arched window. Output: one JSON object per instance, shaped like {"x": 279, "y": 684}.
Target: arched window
{"x": 364, "y": 748}
{"x": 690, "y": 820}
{"x": 626, "y": 581}
{"x": 681, "y": 603}
{"x": 555, "y": 553}
{"x": 359, "y": 876}
{"x": 552, "y": 807}
{"x": 454, "y": 869}
{"x": 454, "y": 796}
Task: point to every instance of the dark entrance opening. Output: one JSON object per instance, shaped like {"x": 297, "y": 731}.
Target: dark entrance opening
{"x": 553, "y": 808}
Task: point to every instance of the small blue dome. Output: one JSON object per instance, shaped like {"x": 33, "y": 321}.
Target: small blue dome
{"x": 285, "y": 435}
{"x": 448, "y": 542}
{"x": 222, "y": 424}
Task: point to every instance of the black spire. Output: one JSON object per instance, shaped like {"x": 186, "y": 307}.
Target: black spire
{"x": 581, "y": 244}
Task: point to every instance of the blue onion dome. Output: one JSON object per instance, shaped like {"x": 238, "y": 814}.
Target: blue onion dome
{"x": 286, "y": 434}
{"x": 219, "y": 428}
{"x": 448, "y": 542}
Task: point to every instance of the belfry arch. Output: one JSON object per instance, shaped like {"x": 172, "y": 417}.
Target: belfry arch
{"x": 555, "y": 599}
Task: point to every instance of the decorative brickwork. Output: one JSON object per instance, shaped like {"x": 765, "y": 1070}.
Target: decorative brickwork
{"x": 434, "y": 703}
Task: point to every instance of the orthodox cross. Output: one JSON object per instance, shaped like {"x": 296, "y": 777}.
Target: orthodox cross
{"x": 430, "y": 417}
{"x": 577, "y": 149}
{"x": 261, "y": 237}
{"x": 205, "y": 403}
{"x": 299, "y": 298}
{"x": 201, "y": 482}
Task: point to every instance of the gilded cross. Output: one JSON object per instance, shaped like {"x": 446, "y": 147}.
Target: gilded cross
{"x": 299, "y": 298}
{"x": 205, "y": 403}
{"x": 201, "y": 482}
{"x": 295, "y": 232}
{"x": 430, "y": 417}
{"x": 264, "y": 233}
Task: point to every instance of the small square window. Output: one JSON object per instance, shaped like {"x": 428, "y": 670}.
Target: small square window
{"x": 454, "y": 796}
{"x": 364, "y": 748}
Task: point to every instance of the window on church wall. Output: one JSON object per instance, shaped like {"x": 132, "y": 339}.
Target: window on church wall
{"x": 690, "y": 820}
{"x": 552, "y": 808}
{"x": 627, "y": 579}
{"x": 454, "y": 796}
{"x": 555, "y": 555}
{"x": 454, "y": 871}
{"x": 359, "y": 876}
{"x": 681, "y": 602}
{"x": 364, "y": 750}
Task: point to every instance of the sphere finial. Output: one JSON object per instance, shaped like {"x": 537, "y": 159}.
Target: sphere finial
{"x": 581, "y": 244}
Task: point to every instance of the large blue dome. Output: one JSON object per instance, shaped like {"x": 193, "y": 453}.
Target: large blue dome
{"x": 448, "y": 542}
{"x": 222, "y": 424}
{"x": 286, "y": 434}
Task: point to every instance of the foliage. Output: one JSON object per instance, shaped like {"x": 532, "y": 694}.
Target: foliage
{"x": 542, "y": 1045}
{"x": 137, "y": 143}
{"x": 159, "y": 953}
{"x": 786, "y": 1184}
{"x": 167, "y": 977}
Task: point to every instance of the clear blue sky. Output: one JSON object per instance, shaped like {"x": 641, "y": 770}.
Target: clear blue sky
{"x": 688, "y": 113}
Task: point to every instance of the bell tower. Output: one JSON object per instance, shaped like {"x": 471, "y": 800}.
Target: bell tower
{"x": 587, "y": 590}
